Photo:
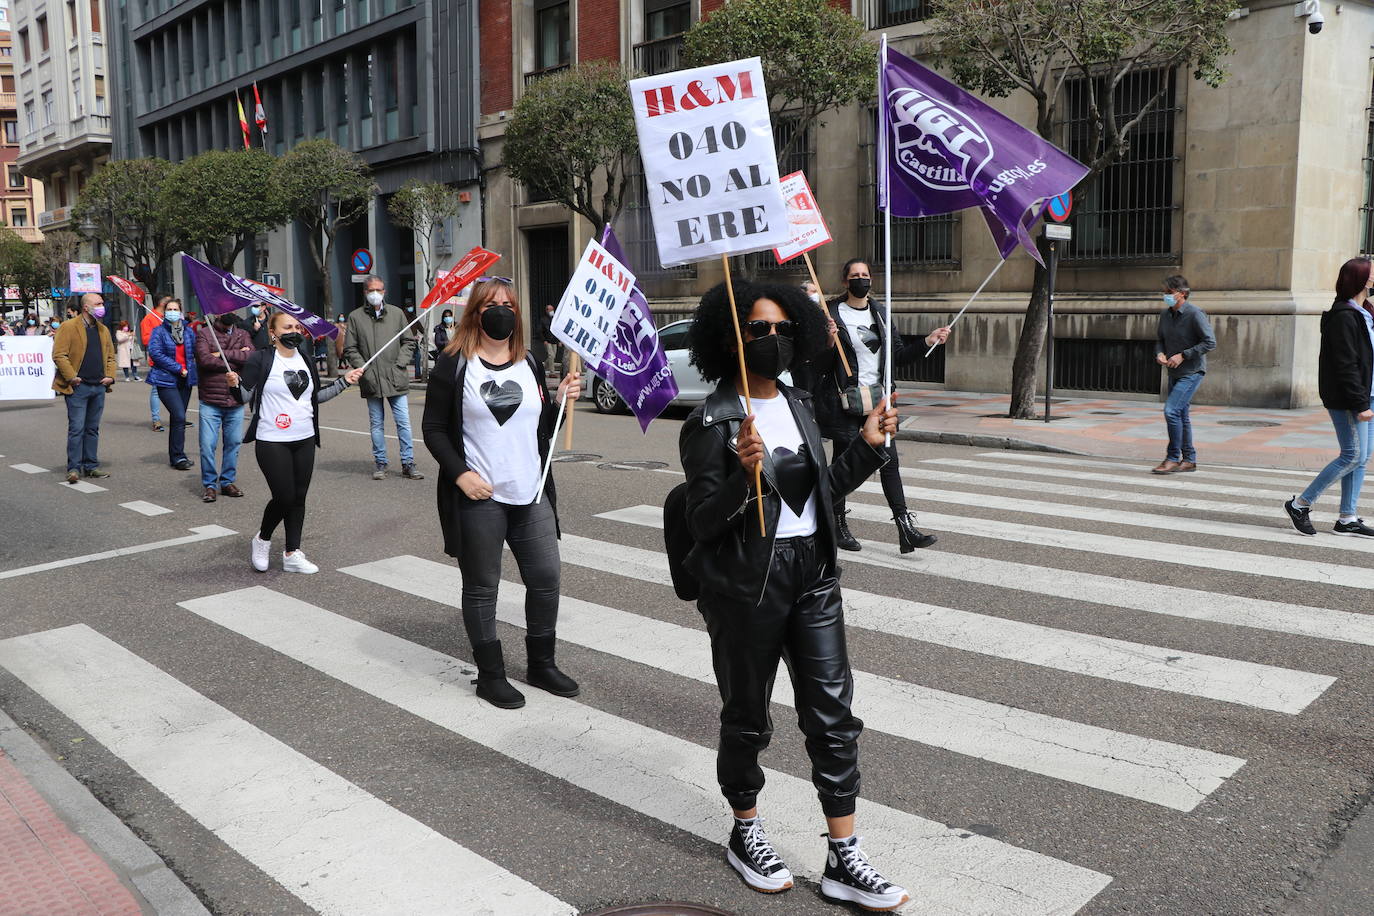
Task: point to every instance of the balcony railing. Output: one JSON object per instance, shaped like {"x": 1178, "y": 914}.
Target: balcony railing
{"x": 547, "y": 71}
{"x": 879, "y": 14}
{"x": 9, "y": 101}
{"x": 662, "y": 55}
{"x": 54, "y": 217}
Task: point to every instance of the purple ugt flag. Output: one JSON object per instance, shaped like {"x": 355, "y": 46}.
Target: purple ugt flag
{"x": 634, "y": 362}
{"x": 221, "y": 292}
{"x": 941, "y": 149}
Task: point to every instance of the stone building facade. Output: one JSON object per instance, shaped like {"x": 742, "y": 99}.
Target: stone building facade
{"x": 21, "y": 197}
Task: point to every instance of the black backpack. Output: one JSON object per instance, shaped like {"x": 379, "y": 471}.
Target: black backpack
{"x": 677, "y": 538}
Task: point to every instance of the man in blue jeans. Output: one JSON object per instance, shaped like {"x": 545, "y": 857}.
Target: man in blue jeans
{"x": 375, "y": 330}
{"x": 84, "y": 356}
{"x": 1181, "y": 345}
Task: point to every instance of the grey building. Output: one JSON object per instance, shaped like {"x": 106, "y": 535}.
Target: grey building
{"x": 393, "y": 80}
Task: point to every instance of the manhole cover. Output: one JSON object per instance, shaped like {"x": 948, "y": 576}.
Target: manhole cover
{"x": 1105, "y": 413}
{"x": 1255, "y": 423}
{"x": 661, "y": 909}
{"x": 633, "y": 465}
{"x": 577, "y": 456}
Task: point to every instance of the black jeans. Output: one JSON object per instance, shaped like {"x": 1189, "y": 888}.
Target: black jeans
{"x": 533, "y": 538}
{"x": 288, "y": 467}
{"x": 176, "y": 400}
{"x": 890, "y": 474}
{"x": 800, "y": 621}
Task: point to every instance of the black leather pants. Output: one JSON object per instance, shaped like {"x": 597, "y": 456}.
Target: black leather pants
{"x": 801, "y": 621}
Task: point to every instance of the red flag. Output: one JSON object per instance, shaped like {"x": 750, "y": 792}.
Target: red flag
{"x": 133, "y": 292}
{"x": 259, "y": 113}
{"x": 468, "y": 268}
{"x": 243, "y": 121}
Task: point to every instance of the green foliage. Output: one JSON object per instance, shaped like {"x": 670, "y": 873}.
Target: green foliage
{"x": 424, "y": 207}
{"x": 19, "y": 268}
{"x": 220, "y": 199}
{"x": 122, "y": 208}
{"x": 815, "y": 57}
{"x": 569, "y": 130}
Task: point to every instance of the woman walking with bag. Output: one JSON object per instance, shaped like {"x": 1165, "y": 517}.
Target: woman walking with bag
{"x": 284, "y": 391}
{"x": 1345, "y": 381}
{"x": 489, "y": 423}
{"x": 124, "y": 357}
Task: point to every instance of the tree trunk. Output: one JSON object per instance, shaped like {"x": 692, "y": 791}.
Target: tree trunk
{"x": 322, "y": 262}
{"x": 1025, "y": 368}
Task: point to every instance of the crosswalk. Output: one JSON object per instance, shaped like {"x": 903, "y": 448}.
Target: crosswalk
{"x": 342, "y": 849}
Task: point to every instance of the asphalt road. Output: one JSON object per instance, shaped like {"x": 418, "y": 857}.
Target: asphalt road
{"x": 1120, "y": 695}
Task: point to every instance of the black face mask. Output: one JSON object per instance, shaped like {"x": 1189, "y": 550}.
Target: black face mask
{"x": 498, "y": 322}
{"x": 768, "y": 356}
{"x": 291, "y": 341}
{"x": 859, "y": 287}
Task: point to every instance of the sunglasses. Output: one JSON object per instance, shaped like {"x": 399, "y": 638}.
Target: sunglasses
{"x": 760, "y": 328}
{"x": 506, "y": 280}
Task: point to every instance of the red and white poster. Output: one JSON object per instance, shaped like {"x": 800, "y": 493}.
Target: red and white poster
{"x": 804, "y": 221}
{"x": 468, "y": 268}
{"x": 131, "y": 290}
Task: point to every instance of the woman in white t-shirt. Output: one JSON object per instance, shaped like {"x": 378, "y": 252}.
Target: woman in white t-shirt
{"x": 284, "y": 390}
{"x": 489, "y": 423}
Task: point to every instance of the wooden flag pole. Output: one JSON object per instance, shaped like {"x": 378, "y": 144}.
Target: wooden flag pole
{"x": 574, "y": 365}
{"x": 844, "y": 361}
{"x": 744, "y": 383}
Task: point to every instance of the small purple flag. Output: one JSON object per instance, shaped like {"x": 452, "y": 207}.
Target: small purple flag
{"x": 634, "y": 362}
{"x": 221, "y": 292}
{"x": 941, "y": 149}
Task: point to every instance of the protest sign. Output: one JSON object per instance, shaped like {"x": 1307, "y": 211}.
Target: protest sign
{"x": 221, "y": 292}
{"x": 709, "y": 161}
{"x": 129, "y": 289}
{"x": 83, "y": 278}
{"x": 804, "y": 221}
{"x": 634, "y": 363}
{"x": 589, "y": 312}
{"x": 452, "y": 282}
{"x": 26, "y": 368}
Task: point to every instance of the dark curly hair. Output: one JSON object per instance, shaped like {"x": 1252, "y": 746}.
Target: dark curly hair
{"x": 711, "y": 342}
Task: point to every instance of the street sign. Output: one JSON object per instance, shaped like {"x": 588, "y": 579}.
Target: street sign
{"x": 362, "y": 261}
{"x": 360, "y": 278}
{"x": 1058, "y": 233}
{"x": 1061, "y": 206}
{"x": 272, "y": 279}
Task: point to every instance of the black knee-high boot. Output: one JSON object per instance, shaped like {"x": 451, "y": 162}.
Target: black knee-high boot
{"x": 543, "y": 673}
{"x": 492, "y": 685}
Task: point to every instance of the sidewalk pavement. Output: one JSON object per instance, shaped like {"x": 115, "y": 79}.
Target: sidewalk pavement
{"x": 1240, "y": 436}
{"x": 62, "y": 852}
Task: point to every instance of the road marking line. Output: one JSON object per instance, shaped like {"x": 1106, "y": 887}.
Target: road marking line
{"x": 1160, "y": 772}
{"x": 1110, "y": 592}
{"x": 201, "y": 533}
{"x": 1175, "y": 484}
{"x": 145, "y": 508}
{"x": 83, "y": 486}
{"x": 1208, "y": 471}
{"x": 336, "y": 847}
{"x": 29, "y": 468}
{"x": 659, "y": 775}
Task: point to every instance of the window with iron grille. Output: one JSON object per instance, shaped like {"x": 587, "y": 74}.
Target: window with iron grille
{"x": 926, "y": 241}
{"x": 1105, "y": 365}
{"x": 1367, "y": 211}
{"x": 635, "y": 230}
{"x": 798, "y": 159}
{"x": 1129, "y": 211}
{"x": 882, "y": 13}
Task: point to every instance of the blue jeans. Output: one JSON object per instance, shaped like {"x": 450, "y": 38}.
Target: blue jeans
{"x": 1355, "y": 438}
{"x": 154, "y": 404}
{"x": 85, "y": 406}
{"x": 215, "y": 422}
{"x": 376, "y": 418}
{"x": 1177, "y": 418}
{"x": 175, "y": 399}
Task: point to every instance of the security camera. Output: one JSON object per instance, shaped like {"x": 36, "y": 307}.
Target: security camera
{"x": 1311, "y": 10}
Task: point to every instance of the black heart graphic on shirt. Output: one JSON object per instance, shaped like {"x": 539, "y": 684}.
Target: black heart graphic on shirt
{"x": 869, "y": 338}
{"x": 297, "y": 380}
{"x": 502, "y": 400}
{"x": 796, "y": 483}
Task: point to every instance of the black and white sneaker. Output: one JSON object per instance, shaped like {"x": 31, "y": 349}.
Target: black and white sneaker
{"x": 757, "y": 862}
{"x": 1357, "y": 528}
{"x": 1300, "y": 516}
{"x": 850, "y": 877}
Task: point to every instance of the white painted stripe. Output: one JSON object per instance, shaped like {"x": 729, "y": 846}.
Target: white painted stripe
{"x": 29, "y": 468}
{"x": 1174, "y": 484}
{"x": 338, "y": 848}
{"x": 1171, "y": 600}
{"x": 658, "y": 775}
{"x": 1155, "y": 667}
{"x": 1263, "y": 476}
{"x": 1166, "y": 774}
{"x": 83, "y": 486}
{"x": 200, "y": 533}
{"x": 145, "y": 508}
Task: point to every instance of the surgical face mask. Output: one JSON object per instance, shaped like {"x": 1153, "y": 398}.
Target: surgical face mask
{"x": 1170, "y": 299}
{"x": 32, "y": 322}
{"x": 448, "y": 319}
{"x": 859, "y": 286}
{"x": 815, "y": 297}
{"x": 254, "y": 310}
{"x": 374, "y": 298}
{"x": 97, "y": 311}
{"x": 291, "y": 340}
{"x": 172, "y": 316}
{"x": 768, "y": 356}
{"x": 498, "y": 322}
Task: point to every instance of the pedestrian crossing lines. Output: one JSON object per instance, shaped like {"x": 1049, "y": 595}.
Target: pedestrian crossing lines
{"x": 1171, "y": 484}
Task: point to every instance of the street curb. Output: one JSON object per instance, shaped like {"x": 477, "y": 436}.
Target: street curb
{"x": 127, "y": 855}
{"x": 980, "y": 441}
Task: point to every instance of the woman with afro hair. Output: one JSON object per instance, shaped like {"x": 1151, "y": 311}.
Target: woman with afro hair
{"x": 776, "y": 596}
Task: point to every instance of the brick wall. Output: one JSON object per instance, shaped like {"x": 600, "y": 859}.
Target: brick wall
{"x": 710, "y": 6}
{"x": 498, "y": 91}
{"x": 598, "y": 30}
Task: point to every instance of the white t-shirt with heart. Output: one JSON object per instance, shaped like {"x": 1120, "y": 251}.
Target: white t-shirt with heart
{"x": 858, "y": 324}
{"x": 778, "y": 428}
{"x": 501, "y": 409}
{"x": 287, "y": 411}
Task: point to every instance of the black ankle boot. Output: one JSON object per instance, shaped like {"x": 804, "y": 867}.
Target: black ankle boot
{"x": 492, "y": 685}
{"x": 543, "y": 673}
{"x": 909, "y": 537}
{"x": 843, "y": 538}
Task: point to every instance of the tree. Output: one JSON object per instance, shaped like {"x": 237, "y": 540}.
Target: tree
{"x": 815, "y": 57}
{"x": 55, "y": 252}
{"x": 424, "y": 207}
{"x": 573, "y": 133}
{"x": 17, "y": 267}
{"x": 1001, "y": 46}
{"x": 122, "y": 208}
{"x": 326, "y": 187}
{"x": 219, "y": 200}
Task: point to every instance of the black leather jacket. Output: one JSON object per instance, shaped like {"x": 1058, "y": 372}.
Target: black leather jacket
{"x": 731, "y": 559}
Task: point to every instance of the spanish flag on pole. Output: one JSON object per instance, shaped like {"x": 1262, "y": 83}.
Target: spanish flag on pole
{"x": 243, "y": 120}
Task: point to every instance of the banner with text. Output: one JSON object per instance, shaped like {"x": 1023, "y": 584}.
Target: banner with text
{"x": 452, "y": 282}
{"x": 588, "y": 313}
{"x": 804, "y": 220}
{"x": 634, "y": 363}
{"x": 26, "y": 368}
{"x": 221, "y": 292}
{"x": 709, "y": 162}
{"x": 83, "y": 278}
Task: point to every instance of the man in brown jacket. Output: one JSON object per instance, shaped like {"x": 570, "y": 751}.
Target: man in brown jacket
{"x": 84, "y": 355}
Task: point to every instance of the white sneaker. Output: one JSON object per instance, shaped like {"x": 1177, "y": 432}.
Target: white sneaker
{"x": 262, "y": 553}
{"x": 297, "y": 563}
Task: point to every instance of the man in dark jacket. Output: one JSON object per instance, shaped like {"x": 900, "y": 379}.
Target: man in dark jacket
{"x": 221, "y": 350}
{"x": 376, "y": 329}
{"x": 255, "y": 324}
{"x": 1181, "y": 345}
